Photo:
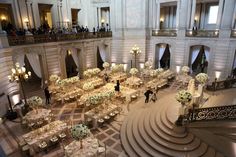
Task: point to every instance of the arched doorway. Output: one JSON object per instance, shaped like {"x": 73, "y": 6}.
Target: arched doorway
{"x": 199, "y": 58}
{"x": 234, "y": 66}
{"x": 102, "y": 55}
{"x": 33, "y": 63}
{"x": 162, "y": 56}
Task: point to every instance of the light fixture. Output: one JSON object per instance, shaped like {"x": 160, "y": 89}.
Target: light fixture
{"x": 125, "y": 66}
{"x": 67, "y": 20}
{"x": 3, "y": 17}
{"x": 69, "y": 52}
{"x": 135, "y": 51}
{"x": 26, "y": 20}
{"x": 102, "y": 21}
{"x": 161, "y": 19}
{"x": 113, "y": 64}
{"x": 217, "y": 74}
{"x": 196, "y": 18}
{"x": 141, "y": 65}
{"x": 19, "y": 75}
{"x": 190, "y": 32}
{"x": 177, "y": 69}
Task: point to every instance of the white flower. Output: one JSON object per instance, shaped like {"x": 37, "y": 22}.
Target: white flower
{"x": 35, "y": 101}
{"x": 80, "y": 131}
{"x": 87, "y": 74}
{"x": 53, "y": 78}
{"x": 148, "y": 64}
{"x": 133, "y": 71}
{"x": 185, "y": 69}
{"x": 115, "y": 68}
{"x": 153, "y": 73}
{"x": 88, "y": 86}
{"x": 183, "y": 96}
{"x": 202, "y": 78}
{"x": 96, "y": 71}
{"x": 159, "y": 70}
{"x": 106, "y": 65}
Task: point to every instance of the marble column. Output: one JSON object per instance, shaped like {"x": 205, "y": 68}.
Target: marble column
{"x": 158, "y": 14}
{"x": 178, "y": 14}
{"x": 99, "y": 17}
{"x": 189, "y": 14}
{"x": 220, "y": 12}
{"x": 193, "y": 13}
{"x": 32, "y": 13}
{"x": 233, "y": 26}
{"x": 154, "y": 14}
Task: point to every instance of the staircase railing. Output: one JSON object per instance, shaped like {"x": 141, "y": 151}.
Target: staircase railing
{"x": 213, "y": 113}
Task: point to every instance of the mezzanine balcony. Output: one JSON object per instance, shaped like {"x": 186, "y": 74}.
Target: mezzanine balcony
{"x": 165, "y": 32}
{"x": 202, "y": 33}
{"x": 44, "y": 38}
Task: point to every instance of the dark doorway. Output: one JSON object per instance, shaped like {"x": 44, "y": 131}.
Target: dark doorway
{"x": 99, "y": 60}
{"x": 71, "y": 68}
{"x": 165, "y": 60}
{"x": 74, "y": 16}
{"x": 6, "y": 17}
{"x": 200, "y": 64}
{"x": 45, "y": 15}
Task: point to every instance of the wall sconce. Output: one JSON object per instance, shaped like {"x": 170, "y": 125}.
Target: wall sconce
{"x": 125, "y": 66}
{"x": 3, "y": 17}
{"x": 162, "y": 19}
{"x": 191, "y": 32}
{"x": 69, "y": 52}
{"x": 217, "y": 74}
{"x": 113, "y": 64}
{"x": 177, "y": 69}
{"x": 102, "y": 21}
{"x": 216, "y": 32}
{"x": 196, "y": 19}
{"x": 141, "y": 65}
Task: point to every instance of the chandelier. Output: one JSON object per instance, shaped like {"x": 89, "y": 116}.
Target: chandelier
{"x": 19, "y": 74}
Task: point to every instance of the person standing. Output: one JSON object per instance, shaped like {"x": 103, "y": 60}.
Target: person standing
{"x": 154, "y": 97}
{"x": 147, "y": 93}
{"x": 47, "y": 95}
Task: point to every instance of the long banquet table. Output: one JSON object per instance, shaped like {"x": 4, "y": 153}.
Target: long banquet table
{"x": 45, "y": 133}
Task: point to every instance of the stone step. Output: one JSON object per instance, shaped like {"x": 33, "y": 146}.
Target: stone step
{"x": 156, "y": 130}
{"x": 139, "y": 139}
{"x": 162, "y": 145}
{"x": 209, "y": 153}
{"x": 124, "y": 139}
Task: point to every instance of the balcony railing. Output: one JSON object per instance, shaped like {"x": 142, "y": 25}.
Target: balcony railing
{"x": 202, "y": 33}
{"x": 165, "y": 32}
{"x": 213, "y": 113}
{"x": 233, "y": 33}
{"x": 44, "y": 38}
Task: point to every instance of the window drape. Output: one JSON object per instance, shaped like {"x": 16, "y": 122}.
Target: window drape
{"x": 102, "y": 52}
{"x": 35, "y": 64}
{"x": 75, "y": 57}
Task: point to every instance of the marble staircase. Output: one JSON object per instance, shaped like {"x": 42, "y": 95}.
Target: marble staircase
{"x": 150, "y": 131}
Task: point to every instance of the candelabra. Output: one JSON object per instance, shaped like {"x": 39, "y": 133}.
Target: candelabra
{"x": 135, "y": 51}
{"x": 19, "y": 74}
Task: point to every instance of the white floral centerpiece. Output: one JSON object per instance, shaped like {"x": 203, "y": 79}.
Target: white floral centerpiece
{"x": 95, "y": 99}
{"x": 183, "y": 96}
{"x": 96, "y": 71}
{"x": 79, "y": 132}
{"x": 202, "y": 78}
{"x": 133, "y": 71}
{"x": 53, "y": 78}
{"x": 106, "y": 65}
{"x": 121, "y": 67}
{"x": 60, "y": 82}
{"x": 87, "y": 74}
{"x": 159, "y": 70}
{"x": 88, "y": 86}
{"x": 185, "y": 70}
{"x": 35, "y": 102}
{"x": 115, "y": 68}
{"x": 153, "y": 73}
{"x": 148, "y": 65}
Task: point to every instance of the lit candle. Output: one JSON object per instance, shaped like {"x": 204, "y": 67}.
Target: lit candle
{"x": 9, "y": 77}
{"x": 17, "y": 64}
{"x": 29, "y": 73}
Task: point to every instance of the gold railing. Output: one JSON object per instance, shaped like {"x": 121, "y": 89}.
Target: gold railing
{"x": 202, "y": 33}
{"x": 164, "y": 32}
{"x": 44, "y": 38}
{"x": 233, "y": 33}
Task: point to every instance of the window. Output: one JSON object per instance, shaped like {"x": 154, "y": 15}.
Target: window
{"x": 213, "y": 11}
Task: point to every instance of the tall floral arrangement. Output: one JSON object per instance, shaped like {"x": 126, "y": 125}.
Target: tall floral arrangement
{"x": 106, "y": 65}
{"x": 79, "y": 132}
{"x": 202, "y": 78}
{"x": 148, "y": 65}
{"x": 153, "y": 73}
{"x": 115, "y": 68}
{"x": 53, "y": 78}
{"x": 183, "y": 96}
{"x": 185, "y": 69}
{"x": 87, "y": 74}
{"x": 133, "y": 71}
